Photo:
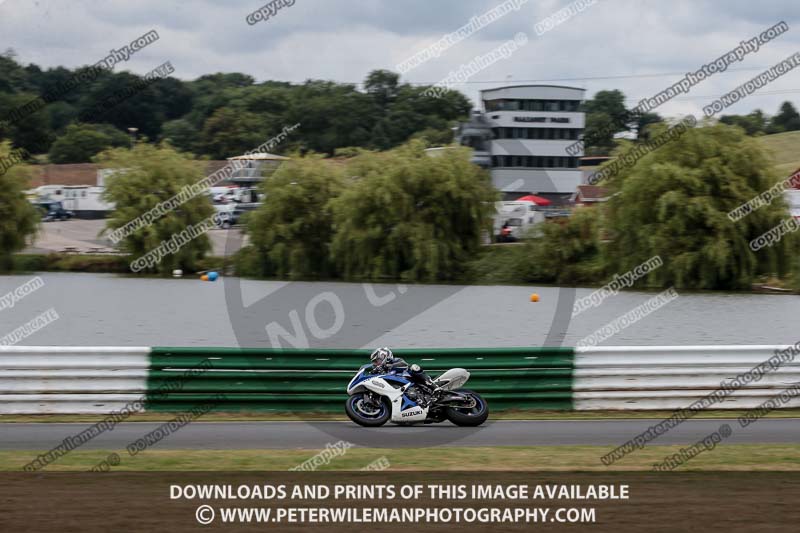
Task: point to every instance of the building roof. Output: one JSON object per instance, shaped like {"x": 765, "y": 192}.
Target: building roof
{"x": 73, "y": 174}
{"x": 533, "y": 85}
{"x": 533, "y": 92}
{"x": 794, "y": 179}
{"x": 86, "y": 173}
{"x": 260, "y": 157}
{"x": 591, "y": 193}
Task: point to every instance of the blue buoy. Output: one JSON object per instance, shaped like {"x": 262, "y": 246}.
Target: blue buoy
{"x": 212, "y": 276}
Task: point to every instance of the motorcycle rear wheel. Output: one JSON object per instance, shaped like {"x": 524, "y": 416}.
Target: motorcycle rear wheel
{"x": 472, "y": 417}
{"x": 359, "y": 412}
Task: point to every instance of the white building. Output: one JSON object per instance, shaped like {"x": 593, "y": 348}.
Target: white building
{"x": 532, "y": 126}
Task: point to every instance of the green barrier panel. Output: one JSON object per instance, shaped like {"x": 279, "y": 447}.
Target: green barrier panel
{"x": 352, "y": 365}
{"x": 307, "y": 386}
{"x": 256, "y": 379}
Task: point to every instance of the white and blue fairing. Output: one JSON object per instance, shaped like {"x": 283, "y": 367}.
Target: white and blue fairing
{"x": 393, "y": 386}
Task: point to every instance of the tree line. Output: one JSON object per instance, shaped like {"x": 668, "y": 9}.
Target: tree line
{"x": 218, "y": 115}
{"x": 607, "y": 116}
{"x": 408, "y": 215}
{"x": 672, "y": 203}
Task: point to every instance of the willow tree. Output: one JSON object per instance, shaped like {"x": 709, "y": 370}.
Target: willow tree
{"x": 566, "y": 252}
{"x": 143, "y": 179}
{"x": 291, "y": 233}
{"x": 18, "y": 217}
{"x": 674, "y": 201}
{"x": 411, "y": 215}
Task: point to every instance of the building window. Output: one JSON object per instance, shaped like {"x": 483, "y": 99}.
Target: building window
{"x": 537, "y": 133}
{"x": 569, "y": 106}
{"x": 534, "y": 161}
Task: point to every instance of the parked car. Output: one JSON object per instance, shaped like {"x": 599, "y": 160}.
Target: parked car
{"x": 227, "y": 219}
{"x": 52, "y": 210}
{"x": 514, "y": 220}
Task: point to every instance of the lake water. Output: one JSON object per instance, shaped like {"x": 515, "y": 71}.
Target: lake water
{"x": 100, "y": 309}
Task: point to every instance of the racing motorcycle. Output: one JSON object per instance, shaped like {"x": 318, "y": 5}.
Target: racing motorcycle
{"x": 377, "y": 397}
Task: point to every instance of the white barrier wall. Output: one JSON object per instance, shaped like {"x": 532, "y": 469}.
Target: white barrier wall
{"x": 664, "y": 377}
{"x": 55, "y": 379}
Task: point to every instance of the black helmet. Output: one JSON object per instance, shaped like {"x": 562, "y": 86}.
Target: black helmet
{"x": 380, "y": 356}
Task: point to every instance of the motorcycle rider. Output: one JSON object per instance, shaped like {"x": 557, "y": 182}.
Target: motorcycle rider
{"x": 384, "y": 360}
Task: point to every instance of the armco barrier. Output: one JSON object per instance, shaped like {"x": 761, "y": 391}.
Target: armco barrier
{"x": 314, "y": 379}
{"x": 54, "y": 379}
{"x": 105, "y": 379}
{"x": 670, "y": 377}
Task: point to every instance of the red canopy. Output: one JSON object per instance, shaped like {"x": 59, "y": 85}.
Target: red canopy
{"x": 538, "y": 200}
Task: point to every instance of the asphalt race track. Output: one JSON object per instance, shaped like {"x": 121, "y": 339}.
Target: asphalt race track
{"x": 315, "y": 435}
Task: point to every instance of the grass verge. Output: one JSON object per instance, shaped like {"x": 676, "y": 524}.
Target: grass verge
{"x": 735, "y": 457}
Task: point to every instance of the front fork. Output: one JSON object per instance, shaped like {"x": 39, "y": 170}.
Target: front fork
{"x": 372, "y": 399}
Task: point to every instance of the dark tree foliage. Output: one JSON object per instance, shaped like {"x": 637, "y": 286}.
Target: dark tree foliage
{"x": 18, "y": 218}
{"x": 81, "y": 142}
{"x": 674, "y": 203}
{"x": 787, "y": 119}
{"x": 225, "y": 114}
{"x": 753, "y": 124}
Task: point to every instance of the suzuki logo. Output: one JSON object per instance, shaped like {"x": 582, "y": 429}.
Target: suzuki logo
{"x": 412, "y": 413}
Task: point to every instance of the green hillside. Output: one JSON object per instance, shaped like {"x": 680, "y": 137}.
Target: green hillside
{"x": 785, "y": 148}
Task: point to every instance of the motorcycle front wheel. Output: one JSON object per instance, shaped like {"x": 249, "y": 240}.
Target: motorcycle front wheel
{"x": 366, "y": 413}
{"x": 473, "y": 416}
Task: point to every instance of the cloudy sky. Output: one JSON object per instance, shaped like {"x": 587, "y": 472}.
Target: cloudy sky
{"x": 637, "y": 46}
